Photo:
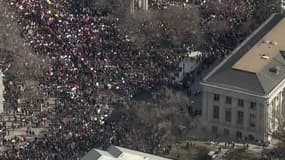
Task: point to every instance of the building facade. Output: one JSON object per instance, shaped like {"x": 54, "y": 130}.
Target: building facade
{"x": 243, "y": 97}
{"x": 139, "y": 5}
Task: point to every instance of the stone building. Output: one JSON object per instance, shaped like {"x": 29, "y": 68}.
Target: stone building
{"x": 243, "y": 96}
{"x": 139, "y": 5}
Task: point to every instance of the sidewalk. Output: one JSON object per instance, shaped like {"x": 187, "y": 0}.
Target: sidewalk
{"x": 20, "y": 132}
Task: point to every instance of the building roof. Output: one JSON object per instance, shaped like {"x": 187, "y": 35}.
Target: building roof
{"x": 96, "y": 154}
{"x": 257, "y": 66}
{"x": 120, "y": 153}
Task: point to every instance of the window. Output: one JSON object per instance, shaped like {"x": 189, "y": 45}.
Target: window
{"x": 176, "y": 74}
{"x": 240, "y": 102}
{"x": 239, "y": 135}
{"x": 226, "y": 132}
{"x": 252, "y": 105}
{"x": 228, "y": 100}
{"x": 228, "y": 116}
{"x": 216, "y": 113}
{"x": 214, "y": 129}
{"x": 251, "y": 137}
{"x": 216, "y": 97}
{"x": 240, "y": 117}
{"x": 252, "y": 120}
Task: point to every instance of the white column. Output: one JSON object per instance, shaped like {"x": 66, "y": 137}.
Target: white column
{"x": 146, "y": 5}
{"x": 266, "y": 111}
{"x": 132, "y": 7}
{"x": 1, "y": 93}
{"x": 282, "y": 6}
{"x": 140, "y": 4}
{"x": 234, "y": 112}
{"x": 222, "y": 111}
{"x": 283, "y": 102}
{"x": 205, "y": 106}
{"x": 246, "y": 113}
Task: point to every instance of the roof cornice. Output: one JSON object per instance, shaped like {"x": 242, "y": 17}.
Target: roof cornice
{"x": 239, "y": 47}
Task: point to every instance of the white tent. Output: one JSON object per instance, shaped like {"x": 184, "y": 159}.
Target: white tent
{"x": 188, "y": 64}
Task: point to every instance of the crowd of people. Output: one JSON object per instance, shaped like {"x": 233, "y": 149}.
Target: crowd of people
{"x": 226, "y": 23}
{"x": 91, "y": 64}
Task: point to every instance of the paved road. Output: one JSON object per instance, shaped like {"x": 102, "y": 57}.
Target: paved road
{"x": 20, "y": 132}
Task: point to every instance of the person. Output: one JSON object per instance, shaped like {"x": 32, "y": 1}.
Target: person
{"x": 91, "y": 63}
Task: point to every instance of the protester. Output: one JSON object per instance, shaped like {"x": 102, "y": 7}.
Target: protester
{"x": 92, "y": 65}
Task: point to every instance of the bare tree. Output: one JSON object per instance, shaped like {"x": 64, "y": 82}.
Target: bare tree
{"x": 182, "y": 25}
{"x": 226, "y": 19}
{"x": 25, "y": 65}
{"x": 18, "y": 61}
{"x": 176, "y": 25}
{"x": 158, "y": 118}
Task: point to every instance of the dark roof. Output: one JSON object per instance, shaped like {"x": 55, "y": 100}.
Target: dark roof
{"x": 92, "y": 155}
{"x": 265, "y": 76}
